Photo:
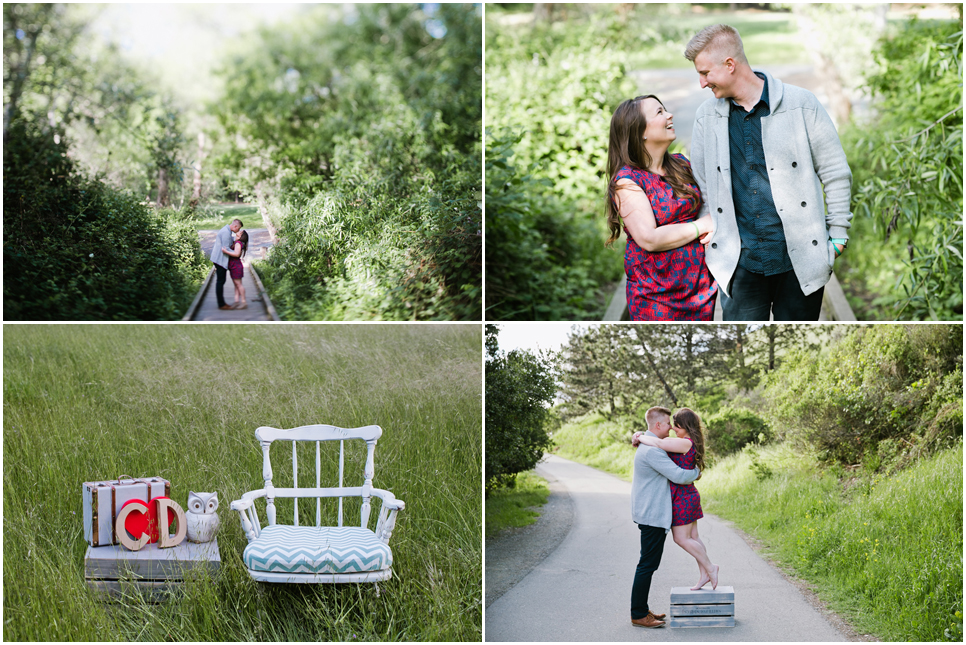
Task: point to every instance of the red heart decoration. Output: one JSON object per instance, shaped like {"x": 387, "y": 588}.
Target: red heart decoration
{"x": 138, "y": 523}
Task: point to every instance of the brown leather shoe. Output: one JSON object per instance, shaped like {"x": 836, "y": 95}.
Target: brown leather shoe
{"x": 648, "y": 621}
{"x": 658, "y": 616}
{"x": 225, "y": 307}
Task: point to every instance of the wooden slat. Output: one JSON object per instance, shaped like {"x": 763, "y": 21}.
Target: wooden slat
{"x": 150, "y": 590}
{"x": 701, "y": 621}
{"x": 617, "y": 309}
{"x": 727, "y": 609}
{"x": 685, "y": 596}
{"x": 151, "y": 563}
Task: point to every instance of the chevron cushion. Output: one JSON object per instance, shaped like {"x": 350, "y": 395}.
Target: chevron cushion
{"x": 311, "y": 549}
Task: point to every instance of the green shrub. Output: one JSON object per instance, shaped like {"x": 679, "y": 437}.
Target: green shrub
{"x": 908, "y": 164}
{"x": 550, "y": 94}
{"x": 542, "y": 261}
{"x": 880, "y": 382}
{"x": 731, "y": 429}
{"x": 76, "y": 249}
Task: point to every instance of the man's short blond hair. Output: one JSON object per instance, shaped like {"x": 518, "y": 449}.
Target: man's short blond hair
{"x": 721, "y": 41}
{"x": 656, "y": 414}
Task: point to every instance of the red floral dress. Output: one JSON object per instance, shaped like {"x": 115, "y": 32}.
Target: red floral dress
{"x": 685, "y": 499}
{"x": 235, "y": 267}
{"x": 667, "y": 285}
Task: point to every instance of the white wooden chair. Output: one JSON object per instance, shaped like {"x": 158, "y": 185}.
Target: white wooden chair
{"x": 318, "y": 554}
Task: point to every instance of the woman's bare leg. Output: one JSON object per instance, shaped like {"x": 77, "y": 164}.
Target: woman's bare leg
{"x": 713, "y": 574}
{"x": 709, "y": 571}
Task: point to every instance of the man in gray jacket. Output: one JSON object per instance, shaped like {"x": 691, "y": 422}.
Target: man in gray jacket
{"x": 651, "y": 510}
{"x": 775, "y": 180}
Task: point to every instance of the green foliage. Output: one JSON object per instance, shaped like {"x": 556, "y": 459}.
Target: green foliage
{"x": 77, "y": 249}
{"x": 886, "y": 552}
{"x": 549, "y": 99}
{"x": 543, "y": 260}
{"x": 880, "y": 382}
{"x": 514, "y": 505}
{"x": 373, "y": 166}
{"x": 519, "y": 388}
{"x": 908, "y": 165}
{"x": 731, "y": 429}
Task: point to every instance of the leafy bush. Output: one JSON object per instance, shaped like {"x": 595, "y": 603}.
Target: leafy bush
{"x": 908, "y": 164}
{"x": 731, "y": 429}
{"x": 881, "y": 382}
{"x": 77, "y": 249}
{"x": 542, "y": 261}
{"x": 550, "y": 94}
{"x": 519, "y": 387}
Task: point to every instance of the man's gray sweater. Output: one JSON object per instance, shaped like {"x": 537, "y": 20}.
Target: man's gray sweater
{"x": 650, "y": 493}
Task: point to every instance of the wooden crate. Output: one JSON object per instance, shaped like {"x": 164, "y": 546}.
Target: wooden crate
{"x": 152, "y": 572}
{"x": 702, "y": 608}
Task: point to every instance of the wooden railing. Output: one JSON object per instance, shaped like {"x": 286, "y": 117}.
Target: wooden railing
{"x": 835, "y": 306}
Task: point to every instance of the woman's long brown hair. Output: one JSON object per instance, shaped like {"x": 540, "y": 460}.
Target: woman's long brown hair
{"x": 626, "y": 148}
{"x": 689, "y": 420}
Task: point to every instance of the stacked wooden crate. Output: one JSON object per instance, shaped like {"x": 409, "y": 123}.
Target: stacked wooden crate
{"x": 152, "y": 572}
{"x": 702, "y": 608}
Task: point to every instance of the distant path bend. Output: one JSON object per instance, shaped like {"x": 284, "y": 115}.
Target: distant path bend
{"x": 581, "y": 591}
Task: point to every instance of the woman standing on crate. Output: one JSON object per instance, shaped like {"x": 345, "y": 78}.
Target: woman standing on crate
{"x": 236, "y": 269}
{"x": 687, "y": 451}
{"x": 653, "y": 197}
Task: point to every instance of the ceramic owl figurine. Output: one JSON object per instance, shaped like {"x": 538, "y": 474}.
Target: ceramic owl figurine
{"x": 201, "y": 520}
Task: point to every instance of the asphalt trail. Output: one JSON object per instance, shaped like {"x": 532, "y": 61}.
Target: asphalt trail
{"x": 581, "y": 590}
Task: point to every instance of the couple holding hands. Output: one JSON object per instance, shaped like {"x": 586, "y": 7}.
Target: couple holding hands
{"x": 758, "y": 214}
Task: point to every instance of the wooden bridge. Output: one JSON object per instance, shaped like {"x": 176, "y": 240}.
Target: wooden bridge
{"x": 834, "y": 304}
{"x": 205, "y": 305}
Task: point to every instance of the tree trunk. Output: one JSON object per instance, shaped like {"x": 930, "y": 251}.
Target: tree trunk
{"x": 542, "y": 12}
{"x": 196, "y": 191}
{"x": 163, "y": 200}
{"x": 20, "y": 79}
{"x": 650, "y": 361}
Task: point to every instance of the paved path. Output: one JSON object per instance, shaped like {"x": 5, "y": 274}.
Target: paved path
{"x": 581, "y": 591}
{"x": 259, "y": 243}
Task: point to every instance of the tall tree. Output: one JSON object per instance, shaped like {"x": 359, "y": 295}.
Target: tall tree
{"x": 519, "y": 389}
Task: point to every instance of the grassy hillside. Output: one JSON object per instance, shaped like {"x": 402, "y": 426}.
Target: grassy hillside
{"x": 884, "y": 551}
{"x": 84, "y": 403}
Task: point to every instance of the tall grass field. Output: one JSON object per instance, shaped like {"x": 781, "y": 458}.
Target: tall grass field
{"x": 91, "y": 402}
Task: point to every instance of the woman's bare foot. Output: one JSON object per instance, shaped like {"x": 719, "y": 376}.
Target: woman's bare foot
{"x": 714, "y": 576}
{"x": 705, "y": 579}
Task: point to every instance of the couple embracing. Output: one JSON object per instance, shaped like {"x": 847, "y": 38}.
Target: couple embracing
{"x": 231, "y": 242}
{"x": 663, "y": 498}
{"x": 759, "y": 213}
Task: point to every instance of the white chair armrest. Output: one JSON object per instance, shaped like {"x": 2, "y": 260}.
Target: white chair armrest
{"x": 388, "y": 499}
{"x": 248, "y": 514}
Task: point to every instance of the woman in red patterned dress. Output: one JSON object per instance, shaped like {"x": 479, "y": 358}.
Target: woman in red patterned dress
{"x": 653, "y": 197}
{"x": 687, "y": 451}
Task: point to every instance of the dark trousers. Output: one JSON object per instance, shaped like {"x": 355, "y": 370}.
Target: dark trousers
{"x": 652, "y": 548}
{"x": 221, "y": 275}
{"x": 754, "y": 296}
